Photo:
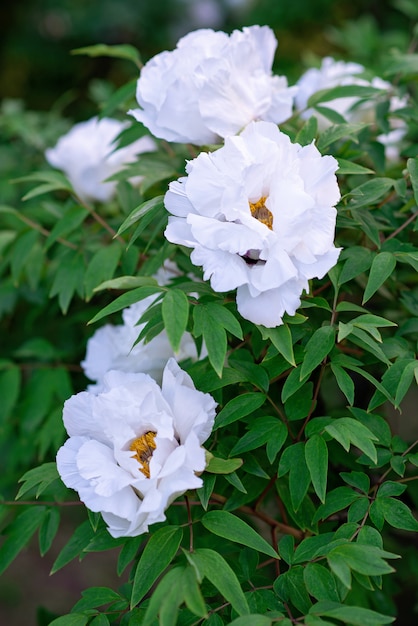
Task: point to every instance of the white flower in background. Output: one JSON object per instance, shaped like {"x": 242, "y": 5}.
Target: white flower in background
{"x": 259, "y": 214}
{"x": 212, "y": 85}
{"x": 354, "y": 109}
{"x": 135, "y": 447}
{"x": 112, "y": 347}
{"x": 87, "y": 155}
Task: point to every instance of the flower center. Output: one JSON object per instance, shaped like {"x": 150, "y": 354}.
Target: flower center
{"x": 143, "y": 447}
{"x": 261, "y": 213}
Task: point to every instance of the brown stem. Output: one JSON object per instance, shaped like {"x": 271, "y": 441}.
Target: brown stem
{"x": 45, "y": 232}
{"x": 401, "y": 228}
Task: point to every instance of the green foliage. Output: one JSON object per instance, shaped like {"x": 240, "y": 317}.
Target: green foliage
{"x": 309, "y": 490}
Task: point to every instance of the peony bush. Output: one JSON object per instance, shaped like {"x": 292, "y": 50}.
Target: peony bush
{"x": 216, "y": 299}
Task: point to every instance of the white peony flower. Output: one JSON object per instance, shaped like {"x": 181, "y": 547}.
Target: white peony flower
{"x": 259, "y": 214}
{"x": 112, "y": 347}
{"x": 135, "y": 447}
{"x": 354, "y": 109}
{"x": 212, "y": 85}
{"x": 87, "y": 155}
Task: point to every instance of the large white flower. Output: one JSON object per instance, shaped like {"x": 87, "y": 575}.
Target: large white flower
{"x": 113, "y": 347}
{"x": 135, "y": 447}
{"x": 88, "y": 157}
{"x": 354, "y": 109}
{"x": 212, "y": 85}
{"x": 259, "y": 214}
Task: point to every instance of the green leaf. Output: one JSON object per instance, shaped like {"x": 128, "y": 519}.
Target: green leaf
{"x": 126, "y": 282}
{"x": 349, "y": 167}
{"x": 382, "y": 267}
{"x": 365, "y": 559}
{"x": 357, "y": 261}
{"x": 300, "y": 404}
{"x": 223, "y": 466}
{"x": 347, "y": 430}
{"x": 240, "y": 406}
{"x": 95, "y": 597}
{"x": 48, "y": 529}
{"x": 224, "y": 317}
{"x": 150, "y": 207}
{"x": 343, "y": 91}
{"x": 292, "y": 383}
{"x": 101, "y": 267}
{"x": 175, "y": 311}
{"x": 68, "y": 279}
{"x": 125, "y": 300}
{"x": 412, "y": 167}
{"x": 310, "y": 547}
{"x": 370, "y": 192}
{"x": 351, "y": 615}
{"x": 192, "y": 594}
{"x": 320, "y": 583}
{"x": 318, "y": 347}
{"x": 43, "y": 476}
{"x": 397, "y": 514}
{"x": 73, "y": 619}
{"x": 70, "y": 221}
{"x": 231, "y": 527}
{"x": 214, "y": 336}
{"x": 293, "y": 461}
{"x": 255, "y": 619}
{"x": 281, "y": 338}
{"x": 128, "y": 552}
{"x": 261, "y": 431}
{"x": 308, "y": 131}
{"x": 334, "y": 133}
{"x": 165, "y": 599}
{"x": 295, "y": 587}
{"x": 344, "y": 382}
{"x": 157, "y": 555}
{"x": 122, "y": 51}
{"x": 73, "y": 548}
{"x": 316, "y": 455}
{"x": 212, "y": 565}
{"x": 336, "y": 500}
{"x": 19, "y": 533}
{"x": 287, "y": 548}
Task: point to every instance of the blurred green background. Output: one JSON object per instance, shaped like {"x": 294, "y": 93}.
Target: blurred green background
{"x": 37, "y": 36}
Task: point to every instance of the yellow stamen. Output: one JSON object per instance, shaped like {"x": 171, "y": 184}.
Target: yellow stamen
{"x": 261, "y": 213}
{"x": 143, "y": 447}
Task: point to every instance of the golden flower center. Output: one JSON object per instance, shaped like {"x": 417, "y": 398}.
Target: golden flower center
{"x": 261, "y": 213}
{"x": 143, "y": 447}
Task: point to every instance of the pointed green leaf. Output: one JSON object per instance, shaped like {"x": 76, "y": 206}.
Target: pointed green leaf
{"x": 320, "y": 583}
{"x": 382, "y": 267}
{"x": 317, "y": 348}
{"x": 175, "y": 311}
{"x": 231, "y": 527}
{"x": 223, "y": 466}
{"x": 212, "y": 565}
{"x": 157, "y": 555}
{"x": 316, "y": 455}
{"x": 125, "y": 300}
{"x": 121, "y": 51}
{"x": 19, "y": 533}
{"x": 240, "y": 406}
{"x": 281, "y": 338}
{"x": 344, "y": 381}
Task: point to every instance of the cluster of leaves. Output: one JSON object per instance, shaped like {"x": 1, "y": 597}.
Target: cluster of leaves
{"x": 308, "y": 481}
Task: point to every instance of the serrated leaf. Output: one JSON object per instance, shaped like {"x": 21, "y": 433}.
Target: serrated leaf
{"x": 175, "y": 312}
{"x": 157, "y": 555}
{"x": 316, "y": 455}
{"x": 212, "y": 565}
{"x": 229, "y": 526}
{"x": 382, "y": 267}
{"x": 318, "y": 347}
